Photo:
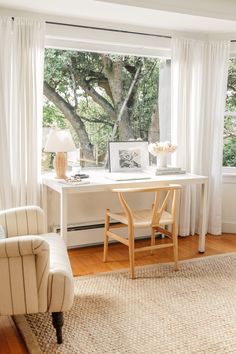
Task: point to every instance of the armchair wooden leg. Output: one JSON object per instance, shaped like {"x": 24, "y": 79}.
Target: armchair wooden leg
{"x": 57, "y": 321}
{"x": 106, "y": 228}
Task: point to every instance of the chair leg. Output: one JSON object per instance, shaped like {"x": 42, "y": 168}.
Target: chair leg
{"x": 106, "y": 228}
{"x": 131, "y": 251}
{"x": 57, "y": 321}
{"x": 153, "y": 238}
{"x": 175, "y": 242}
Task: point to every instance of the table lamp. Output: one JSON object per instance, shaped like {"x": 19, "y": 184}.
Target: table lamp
{"x": 60, "y": 142}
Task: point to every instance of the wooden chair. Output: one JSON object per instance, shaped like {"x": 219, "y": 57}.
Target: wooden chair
{"x": 157, "y": 217}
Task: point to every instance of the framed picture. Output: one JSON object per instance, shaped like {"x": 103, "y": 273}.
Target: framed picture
{"x": 128, "y": 156}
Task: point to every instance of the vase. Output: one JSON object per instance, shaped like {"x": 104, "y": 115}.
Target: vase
{"x": 162, "y": 160}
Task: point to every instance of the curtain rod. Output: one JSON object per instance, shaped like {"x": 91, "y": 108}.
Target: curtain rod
{"x": 106, "y": 29}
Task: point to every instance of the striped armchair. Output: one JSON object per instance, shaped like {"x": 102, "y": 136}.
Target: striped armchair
{"x": 35, "y": 270}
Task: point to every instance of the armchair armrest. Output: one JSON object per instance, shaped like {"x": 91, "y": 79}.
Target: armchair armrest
{"x": 28, "y": 220}
{"x": 22, "y": 246}
{"x": 24, "y": 271}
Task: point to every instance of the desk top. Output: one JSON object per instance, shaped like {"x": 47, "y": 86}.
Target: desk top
{"x": 98, "y": 182}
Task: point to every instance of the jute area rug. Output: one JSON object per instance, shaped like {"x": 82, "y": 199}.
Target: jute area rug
{"x": 190, "y": 311}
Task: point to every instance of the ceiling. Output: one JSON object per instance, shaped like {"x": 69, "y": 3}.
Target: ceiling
{"x": 171, "y": 15}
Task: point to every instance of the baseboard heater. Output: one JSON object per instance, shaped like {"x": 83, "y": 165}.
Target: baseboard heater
{"x": 82, "y": 235}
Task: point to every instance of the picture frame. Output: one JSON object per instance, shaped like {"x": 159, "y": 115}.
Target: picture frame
{"x": 128, "y": 156}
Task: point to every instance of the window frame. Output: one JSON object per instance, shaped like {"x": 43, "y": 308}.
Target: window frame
{"x": 107, "y": 41}
{"x": 104, "y": 41}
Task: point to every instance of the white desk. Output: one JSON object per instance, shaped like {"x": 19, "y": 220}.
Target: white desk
{"x": 99, "y": 183}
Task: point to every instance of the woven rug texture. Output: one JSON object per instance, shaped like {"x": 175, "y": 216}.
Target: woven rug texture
{"x": 162, "y": 311}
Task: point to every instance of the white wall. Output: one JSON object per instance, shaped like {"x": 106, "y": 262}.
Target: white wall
{"x": 229, "y": 202}
{"x": 122, "y": 43}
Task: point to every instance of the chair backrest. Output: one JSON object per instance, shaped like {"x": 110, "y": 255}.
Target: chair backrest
{"x": 165, "y": 196}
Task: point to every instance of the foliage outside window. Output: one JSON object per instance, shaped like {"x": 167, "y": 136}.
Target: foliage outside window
{"x": 85, "y": 92}
{"x": 101, "y": 97}
{"x": 229, "y": 156}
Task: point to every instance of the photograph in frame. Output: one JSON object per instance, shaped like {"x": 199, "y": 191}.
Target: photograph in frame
{"x": 128, "y": 156}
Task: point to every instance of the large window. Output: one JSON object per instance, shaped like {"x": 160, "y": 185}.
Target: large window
{"x": 229, "y": 157}
{"x": 102, "y": 97}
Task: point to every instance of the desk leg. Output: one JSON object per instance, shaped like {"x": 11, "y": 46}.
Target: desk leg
{"x": 45, "y": 206}
{"x": 63, "y": 210}
{"x": 203, "y": 217}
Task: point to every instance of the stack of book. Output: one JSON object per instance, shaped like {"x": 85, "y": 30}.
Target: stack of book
{"x": 169, "y": 170}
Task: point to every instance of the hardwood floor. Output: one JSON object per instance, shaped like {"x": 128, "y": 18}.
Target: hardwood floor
{"x": 89, "y": 261}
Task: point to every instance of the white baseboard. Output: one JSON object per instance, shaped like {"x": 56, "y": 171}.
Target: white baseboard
{"x": 229, "y": 227}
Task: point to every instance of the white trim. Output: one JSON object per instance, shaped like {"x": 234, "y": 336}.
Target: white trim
{"x": 88, "y": 39}
{"x": 227, "y": 170}
{"x": 105, "y": 41}
{"x": 229, "y": 175}
{"x": 229, "y": 227}
{"x": 229, "y": 178}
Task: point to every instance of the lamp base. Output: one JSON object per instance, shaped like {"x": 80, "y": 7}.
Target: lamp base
{"x": 60, "y": 165}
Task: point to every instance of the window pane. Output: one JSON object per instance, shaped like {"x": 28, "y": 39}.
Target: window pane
{"x": 103, "y": 97}
{"x": 229, "y": 153}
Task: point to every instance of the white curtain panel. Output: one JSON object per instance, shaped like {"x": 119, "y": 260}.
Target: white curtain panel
{"x": 5, "y": 111}
{"x": 199, "y": 83}
{"x": 23, "y": 113}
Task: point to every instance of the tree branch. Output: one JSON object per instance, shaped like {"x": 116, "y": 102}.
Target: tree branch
{"x": 68, "y": 110}
{"x": 96, "y": 120}
{"x": 84, "y": 83}
{"x": 99, "y": 99}
{"x": 229, "y": 135}
{"x": 231, "y": 87}
{"x": 130, "y": 68}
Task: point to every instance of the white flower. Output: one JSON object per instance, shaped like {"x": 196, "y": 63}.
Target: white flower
{"x": 164, "y": 147}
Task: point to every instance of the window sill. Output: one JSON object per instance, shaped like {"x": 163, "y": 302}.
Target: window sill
{"x": 229, "y": 175}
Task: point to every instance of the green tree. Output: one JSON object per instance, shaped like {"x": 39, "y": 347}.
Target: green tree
{"x": 229, "y": 155}
{"x": 101, "y": 96}
{"x": 229, "y": 158}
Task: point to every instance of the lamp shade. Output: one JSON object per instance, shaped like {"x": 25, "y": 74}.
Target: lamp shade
{"x": 59, "y": 141}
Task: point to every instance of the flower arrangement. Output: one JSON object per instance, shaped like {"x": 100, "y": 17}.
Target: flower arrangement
{"x": 165, "y": 147}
